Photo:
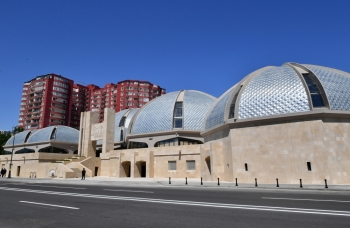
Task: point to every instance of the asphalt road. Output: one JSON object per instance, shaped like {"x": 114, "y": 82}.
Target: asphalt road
{"x": 30, "y": 204}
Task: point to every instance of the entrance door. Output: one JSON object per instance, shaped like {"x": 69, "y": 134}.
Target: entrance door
{"x": 143, "y": 169}
{"x": 96, "y": 171}
{"x": 125, "y": 169}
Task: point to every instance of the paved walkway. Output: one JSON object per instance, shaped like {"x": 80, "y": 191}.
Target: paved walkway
{"x": 175, "y": 182}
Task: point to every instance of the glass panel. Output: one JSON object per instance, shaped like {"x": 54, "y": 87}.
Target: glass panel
{"x": 171, "y": 165}
{"x": 191, "y": 164}
{"x": 316, "y": 97}
{"x": 122, "y": 122}
{"x": 178, "y": 105}
{"x": 178, "y": 112}
{"x": 317, "y": 100}
{"x": 312, "y": 86}
{"x": 178, "y": 123}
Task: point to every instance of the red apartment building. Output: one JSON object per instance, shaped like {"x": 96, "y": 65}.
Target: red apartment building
{"x": 123, "y": 95}
{"x": 46, "y": 101}
{"x": 54, "y": 100}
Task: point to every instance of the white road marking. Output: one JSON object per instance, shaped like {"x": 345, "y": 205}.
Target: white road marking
{"x": 51, "y": 205}
{"x": 114, "y": 190}
{"x": 340, "y": 201}
{"x": 191, "y": 203}
{"x": 48, "y": 186}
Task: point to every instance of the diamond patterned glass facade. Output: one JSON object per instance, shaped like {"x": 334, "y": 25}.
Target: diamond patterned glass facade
{"x": 336, "y": 84}
{"x": 42, "y": 135}
{"x": 117, "y": 129}
{"x": 156, "y": 116}
{"x": 217, "y": 114}
{"x": 19, "y": 138}
{"x": 195, "y": 107}
{"x": 67, "y": 134}
{"x": 274, "y": 91}
{"x": 128, "y": 119}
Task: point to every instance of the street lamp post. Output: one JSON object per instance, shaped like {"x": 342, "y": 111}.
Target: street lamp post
{"x": 13, "y": 145}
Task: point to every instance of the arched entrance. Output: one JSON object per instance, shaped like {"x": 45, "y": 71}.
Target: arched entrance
{"x": 140, "y": 169}
{"x": 125, "y": 169}
{"x": 207, "y": 161}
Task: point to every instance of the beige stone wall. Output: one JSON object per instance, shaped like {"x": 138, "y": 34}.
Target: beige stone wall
{"x": 164, "y": 154}
{"x": 42, "y": 170}
{"x": 20, "y": 161}
{"x": 283, "y": 150}
{"x": 115, "y": 162}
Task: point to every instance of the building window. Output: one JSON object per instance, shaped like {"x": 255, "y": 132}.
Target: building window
{"x": 178, "y": 116}
{"x": 191, "y": 164}
{"x": 316, "y": 97}
{"x": 308, "y": 166}
{"x": 171, "y": 165}
{"x": 233, "y": 104}
{"x": 122, "y": 122}
{"x": 134, "y": 145}
{"x": 246, "y": 166}
{"x": 176, "y": 142}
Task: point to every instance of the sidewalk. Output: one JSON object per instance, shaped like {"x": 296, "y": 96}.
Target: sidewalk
{"x": 175, "y": 182}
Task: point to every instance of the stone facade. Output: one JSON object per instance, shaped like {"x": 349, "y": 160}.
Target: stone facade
{"x": 267, "y": 152}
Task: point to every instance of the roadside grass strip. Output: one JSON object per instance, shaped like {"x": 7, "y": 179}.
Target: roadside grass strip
{"x": 190, "y": 203}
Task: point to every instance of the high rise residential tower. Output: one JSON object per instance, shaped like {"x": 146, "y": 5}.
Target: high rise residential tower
{"x": 46, "y": 101}
{"x": 51, "y": 99}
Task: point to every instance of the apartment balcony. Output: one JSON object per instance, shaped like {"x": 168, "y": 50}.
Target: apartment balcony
{"x": 35, "y": 117}
{"x": 58, "y": 105}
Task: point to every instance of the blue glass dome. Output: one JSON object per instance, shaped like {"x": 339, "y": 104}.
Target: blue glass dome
{"x": 158, "y": 115}
{"x": 55, "y": 133}
{"x": 283, "y": 90}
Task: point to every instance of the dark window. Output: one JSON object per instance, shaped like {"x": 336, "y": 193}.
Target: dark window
{"x": 122, "y": 122}
{"x": 53, "y": 135}
{"x": 55, "y": 150}
{"x": 233, "y": 105}
{"x": 121, "y": 135}
{"x": 308, "y": 166}
{"x": 178, "y": 116}
{"x": 176, "y": 142}
{"x": 316, "y": 97}
{"x": 246, "y": 166}
{"x": 25, "y": 151}
{"x": 134, "y": 145}
{"x": 177, "y": 123}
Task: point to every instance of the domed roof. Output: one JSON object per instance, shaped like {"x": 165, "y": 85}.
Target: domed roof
{"x": 158, "y": 115}
{"x": 20, "y": 138}
{"x": 122, "y": 120}
{"x": 291, "y": 88}
{"x": 336, "y": 84}
{"x": 55, "y": 133}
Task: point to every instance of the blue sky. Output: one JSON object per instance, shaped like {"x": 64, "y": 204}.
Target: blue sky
{"x": 201, "y": 45}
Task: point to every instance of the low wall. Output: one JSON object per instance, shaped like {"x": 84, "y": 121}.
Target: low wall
{"x": 42, "y": 170}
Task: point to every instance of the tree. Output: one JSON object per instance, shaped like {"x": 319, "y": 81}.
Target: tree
{"x": 4, "y": 137}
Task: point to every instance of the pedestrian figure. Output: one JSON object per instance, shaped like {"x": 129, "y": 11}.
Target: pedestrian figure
{"x": 2, "y": 172}
{"x": 5, "y": 172}
{"x": 83, "y": 174}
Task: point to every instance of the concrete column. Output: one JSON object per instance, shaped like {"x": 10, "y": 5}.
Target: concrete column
{"x": 118, "y": 165}
{"x": 81, "y": 132}
{"x": 132, "y": 165}
{"x": 88, "y": 147}
{"x": 150, "y": 164}
{"x": 108, "y": 130}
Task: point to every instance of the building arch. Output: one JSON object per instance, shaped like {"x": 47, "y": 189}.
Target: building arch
{"x": 125, "y": 169}
{"x": 140, "y": 169}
